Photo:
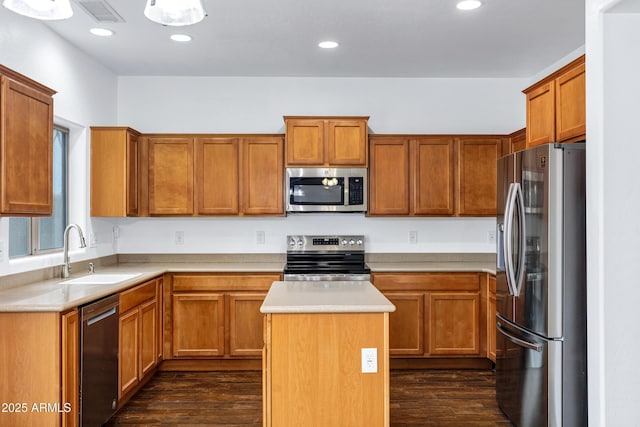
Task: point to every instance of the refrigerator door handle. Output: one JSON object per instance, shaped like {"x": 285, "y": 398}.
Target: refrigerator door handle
{"x": 506, "y": 236}
{"x": 519, "y": 199}
{"x": 519, "y": 341}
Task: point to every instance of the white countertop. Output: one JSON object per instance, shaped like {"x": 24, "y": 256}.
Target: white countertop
{"x": 325, "y": 297}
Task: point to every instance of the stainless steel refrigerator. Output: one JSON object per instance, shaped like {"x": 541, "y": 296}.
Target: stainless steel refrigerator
{"x": 541, "y": 358}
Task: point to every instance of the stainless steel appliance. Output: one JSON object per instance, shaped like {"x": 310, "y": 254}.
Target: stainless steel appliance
{"x": 326, "y": 190}
{"x": 99, "y": 361}
{"x": 541, "y": 372}
{"x": 326, "y": 258}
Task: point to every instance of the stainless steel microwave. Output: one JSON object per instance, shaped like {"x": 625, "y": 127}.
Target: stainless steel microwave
{"x": 326, "y": 190}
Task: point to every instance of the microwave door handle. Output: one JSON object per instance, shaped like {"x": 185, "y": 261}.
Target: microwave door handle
{"x": 508, "y": 230}
{"x": 519, "y": 199}
{"x": 522, "y": 343}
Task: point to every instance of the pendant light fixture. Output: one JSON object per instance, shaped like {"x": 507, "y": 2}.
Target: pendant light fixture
{"x": 40, "y": 9}
{"x": 175, "y": 13}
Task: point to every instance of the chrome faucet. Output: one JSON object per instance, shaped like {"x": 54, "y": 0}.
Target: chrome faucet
{"x": 66, "y": 265}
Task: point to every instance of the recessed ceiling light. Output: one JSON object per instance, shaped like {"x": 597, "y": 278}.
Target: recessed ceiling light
{"x": 102, "y": 32}
{"x": 180, "y": 38}
{"x": 328, "y": 45}
{"x": 469, "y": 4}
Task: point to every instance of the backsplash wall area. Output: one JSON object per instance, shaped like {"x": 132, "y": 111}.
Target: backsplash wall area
{"x": 242, "y": 235}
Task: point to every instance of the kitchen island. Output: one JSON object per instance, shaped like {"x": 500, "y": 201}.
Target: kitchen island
{"x": 326, "y": 358}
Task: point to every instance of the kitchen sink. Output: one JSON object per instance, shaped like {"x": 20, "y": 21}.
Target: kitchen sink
{"x": 101, "y": 279}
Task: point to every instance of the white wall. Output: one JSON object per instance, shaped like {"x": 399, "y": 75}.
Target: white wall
{"x": 613, "y": 60}
{"x": 86, "y": 96}
{"x": 256, "y": 105}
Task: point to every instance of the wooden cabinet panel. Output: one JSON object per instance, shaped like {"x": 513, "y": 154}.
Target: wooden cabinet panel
{"x": 346, "y": 142}
{"x": 454, "y": 327}
{"x": 223, "y": 282}
{"x": 389, "y": 177}
{"x": 433, "y": 176}
{"x": 491, "y": 319}
{"x": 171, "y": 176}
{"x": 262, "y": 176}
{"x": 148, "y": 337}
{"x": 71, "y": 367}
{"x": 198, "y": 325}
{"x": 571, "y": 104}
{"x": 246, "y": 324}
{"x": 217, "y": 175}
{"x": 128, "y": 353}
{"x": 326, "y": 141}
{"x": 477, "y": 181}
{"x": 406, "y": 324}
{"x": 517, "y": 141}
{"x": 305, "y": 142}
{"x": 541, "y": 115}
{"x": 26, "y": 143}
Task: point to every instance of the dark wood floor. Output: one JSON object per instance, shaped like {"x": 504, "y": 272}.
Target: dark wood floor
{"x": 448, "y": 398}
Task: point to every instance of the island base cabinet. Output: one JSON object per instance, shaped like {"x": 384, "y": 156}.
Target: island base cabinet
{"x": 313, "y": 370}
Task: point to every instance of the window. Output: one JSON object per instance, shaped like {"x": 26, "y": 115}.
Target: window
{"x": 30, "y": 236}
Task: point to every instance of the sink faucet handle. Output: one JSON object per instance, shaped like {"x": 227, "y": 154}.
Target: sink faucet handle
{"x": 91, "y": 268}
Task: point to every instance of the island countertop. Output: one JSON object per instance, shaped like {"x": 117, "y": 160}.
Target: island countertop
{"x": 325, "y": 297}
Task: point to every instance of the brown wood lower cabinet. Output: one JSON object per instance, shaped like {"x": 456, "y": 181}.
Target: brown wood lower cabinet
{"x": 138, "y": 353}
{"x": 437, "y": 314}
{"x": 491, "y": 319}
{"x": 216, "y": 315}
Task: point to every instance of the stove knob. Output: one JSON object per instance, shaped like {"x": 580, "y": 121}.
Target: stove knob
{"x": 352, "y": 242}
{"x": 344, "y": 241}
{"x": 359, "y": 242}
{"x": 300, "y": 243}
{"x": 292, "y": 243}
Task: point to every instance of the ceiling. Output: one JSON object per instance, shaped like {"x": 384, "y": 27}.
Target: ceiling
{"x": 378, "y": 38}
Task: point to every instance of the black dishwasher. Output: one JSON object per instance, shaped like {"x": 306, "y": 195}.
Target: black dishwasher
{"x": 98, "y": 361}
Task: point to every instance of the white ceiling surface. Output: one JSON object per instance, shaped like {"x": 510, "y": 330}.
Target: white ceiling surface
{"x": 378, "y": 38}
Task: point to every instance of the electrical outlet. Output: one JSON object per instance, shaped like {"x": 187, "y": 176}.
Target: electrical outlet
{"x": 491, "y": 236}
{"x": 1, "y": 250}
{"x": 369, "y": 360}
{"x": 413, "y": 237}
{"x": 116, "y": 232}
{"x": 179, "y": 238}
{"x": 260, "y": 237}
{"x": 93, "y": 240}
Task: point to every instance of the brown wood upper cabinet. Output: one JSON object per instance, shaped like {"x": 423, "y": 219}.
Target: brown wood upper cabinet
{"x": 477, "y": 177}
{"x": 326, "y": 141}
{"x": 115, "y": 171}
{"x": 171, "y": 178}
{"x": 556, "y": 107}
{"x": 26, "y": 143}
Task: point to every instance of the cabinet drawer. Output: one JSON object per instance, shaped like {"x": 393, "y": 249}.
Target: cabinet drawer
{"x": 138, "y": 295}
{"x": 427, "y": 281}
{"x": 223, "y": 282}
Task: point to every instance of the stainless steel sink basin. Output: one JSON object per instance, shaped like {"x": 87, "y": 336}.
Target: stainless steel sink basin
{"x": 101, "y": 279}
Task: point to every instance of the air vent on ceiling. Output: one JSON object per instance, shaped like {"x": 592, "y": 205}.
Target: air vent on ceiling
{"x": 100, "y": 10}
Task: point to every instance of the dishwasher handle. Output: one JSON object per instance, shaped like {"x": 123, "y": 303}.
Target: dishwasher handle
{"x": 101, "y": 316}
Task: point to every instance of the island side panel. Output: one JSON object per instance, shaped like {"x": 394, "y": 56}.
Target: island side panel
{"x": 315, "y": 370}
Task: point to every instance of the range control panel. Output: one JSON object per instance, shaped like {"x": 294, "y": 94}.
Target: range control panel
{"x": 325, "y": 243}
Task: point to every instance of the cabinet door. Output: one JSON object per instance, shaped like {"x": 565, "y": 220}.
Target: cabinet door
{"x": 217, "y": 176}
{"x": 571, "y": 104}
{"x": 198, "y": 325}
{"x": 70, "y": 367}
{"x": 346, "y": 143}
{"x": 128, "y": 352}
{"x": 541, "y": 115}
{"x": 246, "y": 324}
{"x": 454, "y": 327}
{"x": 389, "y": 177}
{"x": 170, "y": 176}
{"x": 133, "y": 175}
{"x": 477, "y": 181}
{"x": 406, "y": 324}
{"x": 433, "y": 176}
{"x": 26, "y": 163}
{"x": 262, "y": 176}
{"x": 491, "y": 320}
{"x": 148, "y": 337}
{"x": 305, "y": 142}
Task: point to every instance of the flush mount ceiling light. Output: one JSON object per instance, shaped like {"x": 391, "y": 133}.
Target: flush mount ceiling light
{"x": 47, "y": 10}
{"x": 180, "y": 37}
{"x": 175, "y": 13}
{"x": 469, "y": 4}
{"x": 328, "y": 45}
{"x": 102, "y": 32}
